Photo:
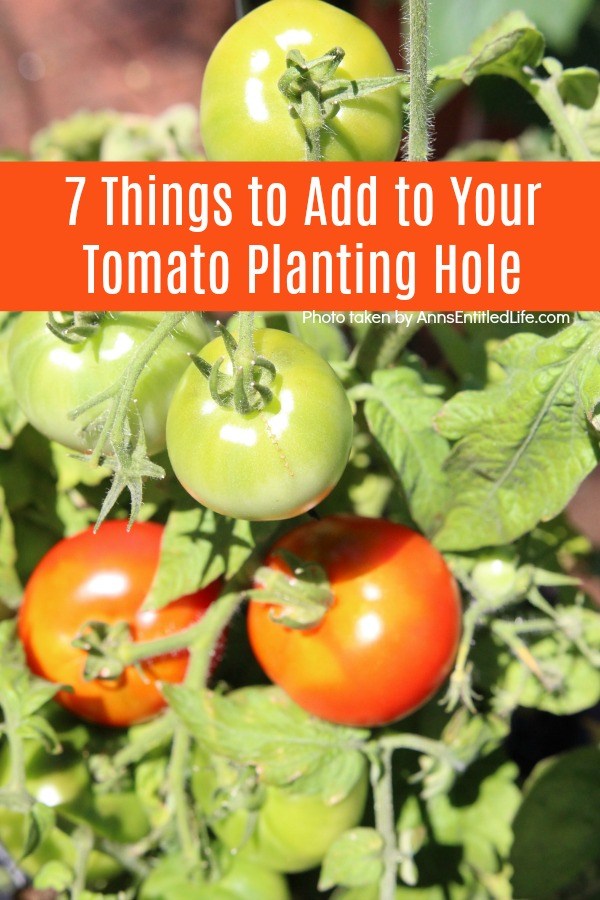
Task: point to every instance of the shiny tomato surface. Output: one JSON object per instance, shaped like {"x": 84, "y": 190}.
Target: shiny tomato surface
{"x": 104, "y": 577}
{"x": 389, "y": 639}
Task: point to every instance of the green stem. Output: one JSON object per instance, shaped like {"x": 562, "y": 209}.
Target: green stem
{"x": 177, "y": 777}
{"x": 122, "y": 391}
{"x": 244, "y": 355}
{"x": 418, "y": 135}
{"x": 205, "y": 640}
{"x": 84, "y": 842}
{"x": 382, "y": 785}
{"x": 546, "y": 95}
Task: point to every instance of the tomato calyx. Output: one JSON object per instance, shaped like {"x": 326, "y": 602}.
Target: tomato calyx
{"x": 315, "y": 94}
{"x": 300, "y": 599}
{"x": 247, "y": 389}
{"x": 74, "y": 327}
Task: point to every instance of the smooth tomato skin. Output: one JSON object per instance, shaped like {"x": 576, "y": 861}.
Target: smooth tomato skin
{"x": 291, "y": 831}
{"x": 104, "y": 577}
{"x": 243, "y": 880}
{"x": 388, "y": 641}
{"x": 51, "y": 378}
{"x": 272, "y": 464}
{"x": 244, "y": 116}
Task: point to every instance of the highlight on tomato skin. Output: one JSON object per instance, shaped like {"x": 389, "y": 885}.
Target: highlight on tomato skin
{"x": 104, "y": 577}
{"x": 265, "y": 465}
{"x": 388, "y": 641}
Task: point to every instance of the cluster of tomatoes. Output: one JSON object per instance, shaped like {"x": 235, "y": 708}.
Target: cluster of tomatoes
{"x": 382, "y": 647}
{"x": 387, "y": 640}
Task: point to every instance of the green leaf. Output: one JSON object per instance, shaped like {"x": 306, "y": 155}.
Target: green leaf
{"x": 587, "y": 123}
{"x": 468, "y": 832}
{"x": 198, "y": 547}
{"x": 550, "y": 673}
{"x": 455, "y": 23}
{"x": 354, "y": 859}
{"x": 41, "y": 821}
{"x": 505, "y": 48}
{"x": 579, "y": 87}
{"x": 263, "y": 728}
{"x": 53, "y": 876}
{"x": 524, "y": 444}
{"x": 556, "y": 829}
{"x": 400, "y": 416}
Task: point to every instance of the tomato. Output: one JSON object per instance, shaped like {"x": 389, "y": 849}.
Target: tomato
{"x": 51, "y": 378}
{"x": 241, "y": 880}
{"x": 291, "y": 831}
{"x": 268, "y": 464}
{"x": 57, "y": 845}
{"x": 104, "y": 577}
{"x": 389, "y": 639}
{"x": 62, "y": 781}
{"x": 243, "y": 114}
{"x": 53, "y": 779}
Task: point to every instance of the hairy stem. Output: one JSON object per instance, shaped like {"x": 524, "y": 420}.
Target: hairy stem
{"x": 418, "y": 37}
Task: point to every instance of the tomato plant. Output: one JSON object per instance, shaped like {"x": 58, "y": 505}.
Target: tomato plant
{"x": 388, "y": 641}
{"x": 470, "y": 439}
{"x": 245, "y": 116}
{"x": 104, "y": 577}
{"x": 282, "y": 828}
{"x": 51, "y": 377}
{"x": 270, "y": 463}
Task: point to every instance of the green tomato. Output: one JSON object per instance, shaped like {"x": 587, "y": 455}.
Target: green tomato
{"x": 62, "y": 781}
{"x": 51, "y": 378}
{"x": 53, "y": 779}
{"x": 242, "y": 880}
{"x": 243, "y": 114}
{"x": 272, "y": 464}
{"x": 56, "y": 846}
{"x": 289, "y": 831}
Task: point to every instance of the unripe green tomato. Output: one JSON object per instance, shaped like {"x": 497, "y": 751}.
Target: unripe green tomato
{"x": 242, "y": 880}
{"x": 290, "y": 831}
{"x": 496, "y": 578}
{"x": 51, "y": 378}
{"x": 56, "y": 846}
{"x": 271, "y": 464}
{"x": 243, "y": 114}
{"x": 53, "y": 779}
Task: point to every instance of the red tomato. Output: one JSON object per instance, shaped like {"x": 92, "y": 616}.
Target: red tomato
{"x": 388, "y": 641}
{"x": 104, "y": 577}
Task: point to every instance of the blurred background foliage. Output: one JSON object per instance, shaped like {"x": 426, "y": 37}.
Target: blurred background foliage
{"x": 142, "y": 57}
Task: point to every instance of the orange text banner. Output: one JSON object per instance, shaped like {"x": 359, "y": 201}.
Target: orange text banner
{"x": 230, "y": 236}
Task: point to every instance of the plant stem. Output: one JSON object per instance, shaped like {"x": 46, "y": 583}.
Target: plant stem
{"x": 206, "y": 635}
{"x": 381, "y": 782}
{"x": 123, "y": 389}
{"x": 418, "y": 37}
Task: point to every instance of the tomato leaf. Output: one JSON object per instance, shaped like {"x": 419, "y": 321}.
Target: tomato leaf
{"x": 455, "y": 23}
{"x": 400, "y": 415}
{"x": 353, "y": 860}
{"x": 41, "y": 821}
{"x": 550, "y": 673}
{"x": 465, "y": 833}
{"x": 265, "y": 729}
{"x": 556, "y": 829}
{"x": 200, "y": 546}
{"x": 503, "y": 471}
{"x": 504, "y": 48}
